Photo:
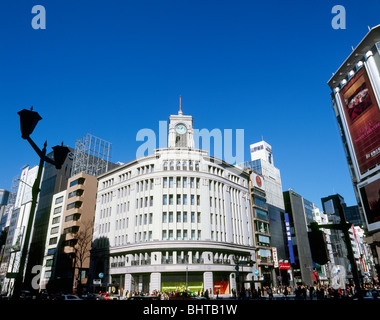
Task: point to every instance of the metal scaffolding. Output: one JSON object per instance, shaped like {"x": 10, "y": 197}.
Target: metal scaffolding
{"x": 91, "y": 155}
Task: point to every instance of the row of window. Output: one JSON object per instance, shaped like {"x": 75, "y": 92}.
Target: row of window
{"x": 184, "y": 165}
{"x": 192, "y": 182}
{"x": 181, "y": 235}
{"x": 181, "y": 217}
{"x": 216, "y": 171}
{"x": 181, "y": 199}
{"x": 145, "y": 169}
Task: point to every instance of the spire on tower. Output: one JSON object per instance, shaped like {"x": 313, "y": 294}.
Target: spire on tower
{"x": 180, "y": 107}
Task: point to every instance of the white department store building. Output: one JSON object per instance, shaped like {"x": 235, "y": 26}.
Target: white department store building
{"x": 173, "y": 220}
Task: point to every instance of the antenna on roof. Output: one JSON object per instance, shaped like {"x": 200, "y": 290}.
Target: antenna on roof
{"x": 180, "y": 107}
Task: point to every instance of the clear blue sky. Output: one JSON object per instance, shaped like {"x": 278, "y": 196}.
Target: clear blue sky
{"x": 114, "y": 67}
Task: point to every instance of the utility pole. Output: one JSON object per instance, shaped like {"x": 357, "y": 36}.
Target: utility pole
{"x": 344, "y": 226}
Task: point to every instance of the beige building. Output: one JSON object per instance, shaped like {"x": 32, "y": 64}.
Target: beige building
{"x": 68, "y": 244}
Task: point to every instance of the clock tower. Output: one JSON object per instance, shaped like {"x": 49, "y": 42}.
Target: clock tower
{"x": 181, "y": 134}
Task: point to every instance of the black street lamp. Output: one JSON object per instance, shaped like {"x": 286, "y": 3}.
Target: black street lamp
{"x": 28, "y": 121}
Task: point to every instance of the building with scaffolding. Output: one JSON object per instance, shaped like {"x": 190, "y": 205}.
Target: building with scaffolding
{"x": 91, "y": 156}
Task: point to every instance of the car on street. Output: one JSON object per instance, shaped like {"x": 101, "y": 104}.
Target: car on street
{"x": 68, "y": 297}
{"x": 108, "y": 296}
{"x": 90, "y": 296}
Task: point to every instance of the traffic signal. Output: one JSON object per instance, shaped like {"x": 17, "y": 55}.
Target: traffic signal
{"x": 318, "y": 246}
{"x": 250, "y": 263}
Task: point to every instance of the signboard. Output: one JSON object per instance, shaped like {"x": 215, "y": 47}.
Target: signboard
{"x": 275, "y": 257}
{"x": 258, "y": 181}
{"x": 362, "y": 116}
{"x": 284, "y": 265}
{"x": 289, "y": 238}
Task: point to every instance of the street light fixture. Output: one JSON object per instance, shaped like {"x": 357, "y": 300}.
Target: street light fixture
{"x": 28, "y": 121}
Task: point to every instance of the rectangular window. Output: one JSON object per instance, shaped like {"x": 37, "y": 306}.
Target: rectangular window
{"x": 185, "y": 216}
{"x": 49, "y": 262}
{"x": 54, "y": 230}
{"x": 165, "y": 182}
{"x": 193, "y": 217}
{"x": 165, "y": 199}
{"x": 170, "y": 199}
{"x": 191, "y": 182}
{"x": 192, "y": 200}
{"x": 57, "y": 210}
{"x": 164, "y": 235}
{"x": 53, "y": 240}
{"x": 56, "y": 220}
{"x": 170, "y": 217}
{"x": 261, "y": 214}
{"x": 259, "y": 201}
{"x": 184, "y": 182}
{"x": 192, "y": 234}
{"x": 185, "y": 199}
{"x": 178, "y": 234}
{"x": 178, "y": 216}
{"x": 164, "y": 217}
{"x": 76, "y": 193}
{"x": 170, "y": 182}
{"x": 77, "y": 181}
{"x": 76, "y": 204}
{"x": 185, "y": 235}
{"x": 170, "y": 234}
{"x": 59, "y": 200}
{"x": 178, "y": 199}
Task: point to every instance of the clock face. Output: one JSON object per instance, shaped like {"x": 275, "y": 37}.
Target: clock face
{"x": 181, "y": 129}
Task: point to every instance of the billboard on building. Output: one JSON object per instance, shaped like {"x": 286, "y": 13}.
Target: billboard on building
{"x": 370, "y": 196}
{"x": 363, "y": 120}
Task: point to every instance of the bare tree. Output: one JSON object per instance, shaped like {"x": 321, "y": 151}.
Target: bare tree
{"x": 82, "y": 247}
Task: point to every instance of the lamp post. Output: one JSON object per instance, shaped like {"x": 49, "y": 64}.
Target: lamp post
{"x": 28, "y": 121}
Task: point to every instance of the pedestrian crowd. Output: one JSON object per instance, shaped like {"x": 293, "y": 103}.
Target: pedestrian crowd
{"x": 301, "y": 292}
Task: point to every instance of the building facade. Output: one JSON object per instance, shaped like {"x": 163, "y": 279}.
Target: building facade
{"x": 302, "y": 263}
{"x": 174, "y": 220}
{"x": 68, "y": 244}
{"x": 19, "y": 216}
{"x": 262, "y": 163}
{"x": 356, "y": 100}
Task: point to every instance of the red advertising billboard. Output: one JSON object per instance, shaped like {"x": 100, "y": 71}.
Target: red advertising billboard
{"x": 363, "y": 120}
{"x": 371, "y": 201}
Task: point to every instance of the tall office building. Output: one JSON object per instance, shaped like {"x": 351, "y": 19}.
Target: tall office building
{"x": 262, "y": 162}
{"x": 298, "y": 242}
{"x": 173, "y": 220}
{"x": 356, "y": 100}
{"x": 52, "y": 182}
{"x": 17, "y": 228}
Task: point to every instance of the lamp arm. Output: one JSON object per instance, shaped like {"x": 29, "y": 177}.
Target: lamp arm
{"x": 39, "y": 152}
